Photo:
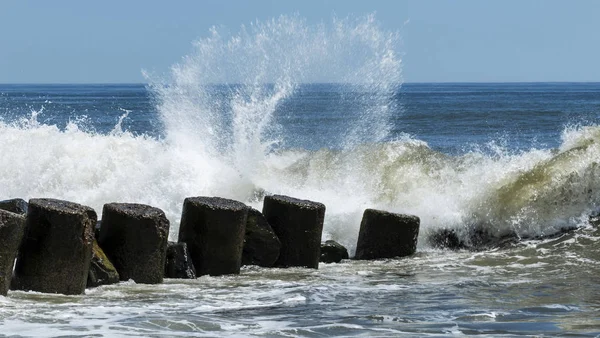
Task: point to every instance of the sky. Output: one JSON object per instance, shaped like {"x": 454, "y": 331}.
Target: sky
{"x": 73, "y": 41}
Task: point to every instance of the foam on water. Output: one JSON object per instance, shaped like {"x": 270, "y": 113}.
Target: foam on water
{"x": 428, "y": 294}
{"x": 536, "y": 192}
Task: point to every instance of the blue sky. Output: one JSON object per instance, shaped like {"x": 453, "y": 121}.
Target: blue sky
{"x": 443, "y": 41}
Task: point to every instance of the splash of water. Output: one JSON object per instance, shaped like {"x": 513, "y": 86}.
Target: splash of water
{"x": 219, "y": 109}
{"x": 118, "y": 129}
{"x": 259, "y": 68}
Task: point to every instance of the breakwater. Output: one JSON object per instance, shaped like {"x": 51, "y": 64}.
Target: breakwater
{"x": 61, "y": 247}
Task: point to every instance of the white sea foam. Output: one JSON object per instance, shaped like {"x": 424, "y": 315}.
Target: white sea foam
{"x": 547, "y": 191}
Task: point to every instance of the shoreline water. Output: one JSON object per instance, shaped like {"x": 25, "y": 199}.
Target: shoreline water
{"x": 387, "y": 298}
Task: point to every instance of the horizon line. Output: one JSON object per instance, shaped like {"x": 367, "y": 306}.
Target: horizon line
{"x": 302, "y": 83}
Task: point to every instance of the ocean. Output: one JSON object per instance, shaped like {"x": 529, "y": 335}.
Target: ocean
{"x": 504, "y": 158}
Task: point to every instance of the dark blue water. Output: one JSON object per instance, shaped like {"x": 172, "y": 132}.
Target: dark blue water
{"x": 97, "y": 107}
{"x": 450, "y": 117}
{"x": 518, "y": 115}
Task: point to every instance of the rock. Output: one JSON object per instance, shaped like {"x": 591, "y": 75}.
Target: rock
{"x": 299, "y": 225}
{"x": 485, "y": 237}
{"x": 102, "y": 271}
{"x": 179, "y": 263}
{"x": 261, "y": 245}
{"x": 214, "y": 229}
{"x": 57, "y": 248}
{"x": 482, "y": 236}
{"x": 12, "y": 228}
{"x": 134, "y": 237}
{"x": 446, "y": 239}
{"x": 333, "y": 252}
{"x": 16, "y": 205}
{"x": 385, "y": 235}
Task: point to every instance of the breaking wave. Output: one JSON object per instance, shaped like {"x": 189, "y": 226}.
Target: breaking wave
{"x": 219, "y": 109}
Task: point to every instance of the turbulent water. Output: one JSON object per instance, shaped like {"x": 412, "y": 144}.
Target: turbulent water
{"x": 320, "y": 113}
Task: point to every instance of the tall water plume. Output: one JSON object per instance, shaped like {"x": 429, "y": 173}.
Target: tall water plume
{"x": 220, "y": 103}
{"x": 221, "y": 99}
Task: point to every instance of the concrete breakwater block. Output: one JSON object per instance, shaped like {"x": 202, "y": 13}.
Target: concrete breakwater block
{"x": 299, "y": 225}
{"x": 385, "y": 235}
{"x": 179, "y": 263}
{"x": 57, "y": 247}
{"x": 333, "y": 252}
{"x": 214, "y": 229}
{"x": 12, "y": 227}
{"x": 16, "y": 205}
{"x": 134, "y": 237}
{"x": 261, "y": 245}
{"x": 102, "y": 271}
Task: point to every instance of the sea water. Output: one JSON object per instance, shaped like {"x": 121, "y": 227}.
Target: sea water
{"x": 320, "y": 112}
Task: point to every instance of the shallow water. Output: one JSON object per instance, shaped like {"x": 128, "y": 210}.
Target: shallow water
{"x": 536, "y": 288}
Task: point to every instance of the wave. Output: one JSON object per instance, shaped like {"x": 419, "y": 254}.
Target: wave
{"x": 532, "y": 193}
{"x": 227, "y": 143}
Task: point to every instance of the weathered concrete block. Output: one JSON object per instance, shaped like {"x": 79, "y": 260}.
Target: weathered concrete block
{"x": 57, "y": 248}
{"x": 333, "y": 252}
{"x": 179, "y": 263}
{"x": 16, "y": 205}
{"x": 134, "y": 237}
{"x": 261, "y": 245}
{"x": 213, "y": 229}
{"x": 12, "y": 227}
{"x": 299, "y": 225}
{"x": 385, "y": 235}
{"x": 102, "y": 271}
